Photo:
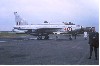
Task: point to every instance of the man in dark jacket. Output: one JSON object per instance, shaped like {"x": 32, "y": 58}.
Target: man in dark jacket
{"x": 75, "y": 34}
{"x": 93, "y": 42}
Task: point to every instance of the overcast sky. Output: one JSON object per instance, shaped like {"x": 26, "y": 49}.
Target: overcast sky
{"x": 81, "y": 12}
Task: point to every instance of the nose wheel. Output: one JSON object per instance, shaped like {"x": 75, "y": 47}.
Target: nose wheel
{"x": 46, "y": 37}
{"x": 39, "y": 37}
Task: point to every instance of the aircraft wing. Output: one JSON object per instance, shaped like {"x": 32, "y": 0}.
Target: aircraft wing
{"x": 48, "y": 30}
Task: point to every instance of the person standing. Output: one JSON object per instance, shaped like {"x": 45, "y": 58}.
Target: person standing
{"x": 56, "y": 37}
{"x": 93, "y": 42}
{"x": 75, "y": 35}
{"x": 70, "y": 37}
{"x": 85, "y": 35}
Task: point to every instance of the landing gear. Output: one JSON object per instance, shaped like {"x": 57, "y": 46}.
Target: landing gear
{"x": 43, "y": 37}
{"x": 39, "y": 37}
{"x": 46, "y": 37}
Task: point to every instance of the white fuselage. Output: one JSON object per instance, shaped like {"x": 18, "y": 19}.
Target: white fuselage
{"x": 43, "y": 28}
{"x": 39, "y": 26}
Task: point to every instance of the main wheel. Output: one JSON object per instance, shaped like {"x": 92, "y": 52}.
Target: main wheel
{"x": 46, "y": 37}
{"x": 39, "y": 37}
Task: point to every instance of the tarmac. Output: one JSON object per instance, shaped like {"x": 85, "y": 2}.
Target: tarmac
{"x": 61, "y": 51}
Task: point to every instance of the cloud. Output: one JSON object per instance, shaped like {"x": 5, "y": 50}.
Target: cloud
{"x": 36, "y": 11}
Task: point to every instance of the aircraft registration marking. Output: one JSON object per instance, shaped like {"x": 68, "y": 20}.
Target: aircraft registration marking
{"x": 68, "y": 29}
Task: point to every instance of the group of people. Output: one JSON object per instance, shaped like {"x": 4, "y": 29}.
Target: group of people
{"x": 93, "y": 41}
{"x": 85, "y": 35}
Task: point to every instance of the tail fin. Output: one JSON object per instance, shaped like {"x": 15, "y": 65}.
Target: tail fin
{"x": 19, "y": 20}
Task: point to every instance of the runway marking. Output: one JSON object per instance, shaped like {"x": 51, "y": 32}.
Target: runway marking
{"x": 3, "y": 41}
